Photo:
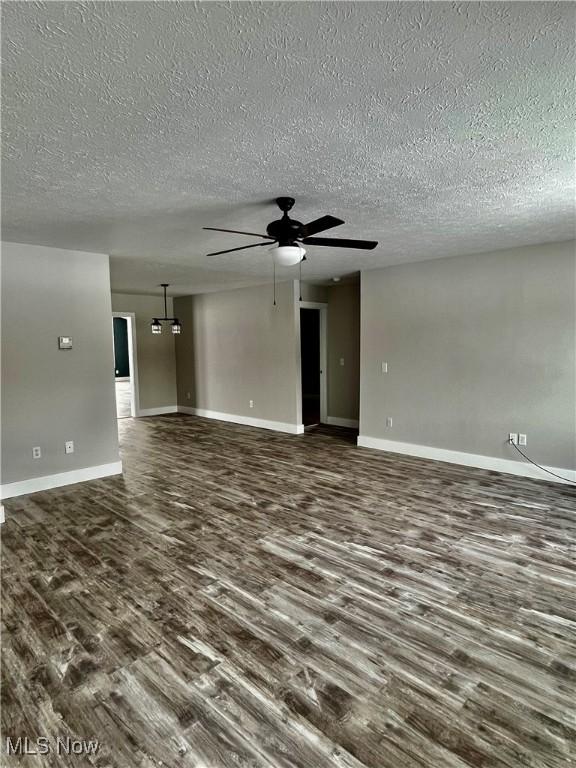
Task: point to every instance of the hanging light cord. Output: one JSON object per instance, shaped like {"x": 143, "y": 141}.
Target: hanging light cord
{"x": 274, "y": 280}
{"x": 300, "y": 280}
{"x": 566, "y": 480}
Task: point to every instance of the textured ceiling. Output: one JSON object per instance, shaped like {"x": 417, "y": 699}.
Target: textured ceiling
{"x": 436, "y": 128}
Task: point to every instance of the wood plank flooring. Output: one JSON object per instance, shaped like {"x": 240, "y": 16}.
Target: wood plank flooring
{"x": 242, "y": 598}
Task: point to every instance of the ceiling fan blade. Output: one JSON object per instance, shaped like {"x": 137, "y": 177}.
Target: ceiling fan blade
{"x": 319, "y": 225}
{"x": 242, "y": 248}
{"x": 339, "y": 243}
{"x": 235, "y": 232}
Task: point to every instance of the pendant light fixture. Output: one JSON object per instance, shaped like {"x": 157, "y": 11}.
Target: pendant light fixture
{"x": 156, "y": 324}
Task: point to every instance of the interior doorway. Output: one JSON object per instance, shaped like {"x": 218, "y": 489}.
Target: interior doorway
{"x": 313, "y": 362}
{"x": 125, "y": 370}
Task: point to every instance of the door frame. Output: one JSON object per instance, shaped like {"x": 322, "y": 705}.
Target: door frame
{"x": 323, "y": 311}
{"x": 130, "y": 318}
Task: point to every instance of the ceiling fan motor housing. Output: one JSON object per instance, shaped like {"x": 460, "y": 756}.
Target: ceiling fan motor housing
{"x": 285, "y": 230}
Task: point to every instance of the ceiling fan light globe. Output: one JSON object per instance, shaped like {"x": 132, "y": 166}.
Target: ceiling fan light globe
{"x": 288, "y": 255}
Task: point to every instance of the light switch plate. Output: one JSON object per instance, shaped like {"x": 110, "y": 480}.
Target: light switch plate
{"x": 69, "y": 446}
{"x": 64, "y": 342}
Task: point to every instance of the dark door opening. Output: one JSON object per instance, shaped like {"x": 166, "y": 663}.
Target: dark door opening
{"x": 122, "y": 372}
{"x": 121, "y": 359}
{"x": 310, "y": 356}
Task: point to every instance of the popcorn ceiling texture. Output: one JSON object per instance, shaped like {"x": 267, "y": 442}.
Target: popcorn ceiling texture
{"x": 436, "y": 128}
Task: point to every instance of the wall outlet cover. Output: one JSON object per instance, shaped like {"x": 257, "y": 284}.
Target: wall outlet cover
{"x": 36, "y": 452}
{"x": 69, "y": 446}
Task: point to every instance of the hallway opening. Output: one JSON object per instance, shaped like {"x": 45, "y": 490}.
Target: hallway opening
{"x": 125, "y": 376}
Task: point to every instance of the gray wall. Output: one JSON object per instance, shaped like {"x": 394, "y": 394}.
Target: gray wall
{"x": 156, "y": 353}
{"x": 477, "y": 346}
{"x": 185, "y": 352}
{"x": 312, "y": 292}
{"x": 49, "y": 395}
{"x": 344, "y": 342}
{"x": 236, "y": 347}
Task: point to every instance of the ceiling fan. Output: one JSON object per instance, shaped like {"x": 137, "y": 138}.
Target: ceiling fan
{"x": 289, "y": 233}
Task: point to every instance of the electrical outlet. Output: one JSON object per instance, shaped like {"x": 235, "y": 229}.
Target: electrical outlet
{"x": 342, "y": 361}
{"x": 384, "y": 367}
{"x": 36, "y": 452}
{"x": 513, "y": 438}
{"x": 251, "y": 403}
{"x": 69, "y": 446}
{"x": 389, "y": 421}
{"x": 522, "y": 440}
{"x": 188, "y": 395}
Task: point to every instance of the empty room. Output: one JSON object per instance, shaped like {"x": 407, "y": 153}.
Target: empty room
{"x": 288, "y": 325}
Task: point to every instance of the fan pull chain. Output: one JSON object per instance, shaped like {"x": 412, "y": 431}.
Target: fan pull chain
{"x": 274, "y": 273}
{"x": 300, "y": 279}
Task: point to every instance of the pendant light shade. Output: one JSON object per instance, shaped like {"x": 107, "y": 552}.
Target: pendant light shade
{"x": 288, "y": 255}
{"x": 156, "y": 324}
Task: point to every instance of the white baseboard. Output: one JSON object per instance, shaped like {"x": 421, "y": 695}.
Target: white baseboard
{"x": 336, "y": 421}
{"x": 158, "y": 411}
{"x": 508, "y": 466}
{"x": 34, "y": 484}
{"x": 248, "y": 421}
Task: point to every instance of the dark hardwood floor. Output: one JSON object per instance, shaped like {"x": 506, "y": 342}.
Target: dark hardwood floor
{"x": 246, "y": 598}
